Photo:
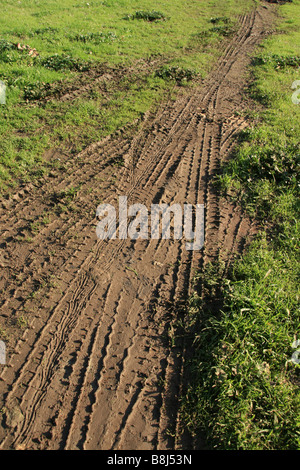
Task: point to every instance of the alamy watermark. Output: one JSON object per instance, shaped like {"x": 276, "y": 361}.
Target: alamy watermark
{"x": 296, "y": 86}
{"x": 2, "y": 93}
{"x": 296, "y": 354}
{"x": 2, "y": 353}
{"x": 136, "y": 222}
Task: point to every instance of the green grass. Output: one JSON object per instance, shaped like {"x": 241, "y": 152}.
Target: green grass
{"x": 71, "y": 39}
{"x": 245, "y": 388}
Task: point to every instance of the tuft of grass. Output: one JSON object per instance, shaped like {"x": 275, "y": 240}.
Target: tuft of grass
{"x": 151, "y": 16}
{"x": 6, "y": 45}
{"x": 22, "y": 322}
{"x": 223, "y": 26}
{"x": 43, "y": 31}
{"x": 36, "y": 91}
{"x": 64, "y": 62}
{"x": 96, "y": 38}
{"x": 220, "y": 19}
{"x": 179, "y": 74}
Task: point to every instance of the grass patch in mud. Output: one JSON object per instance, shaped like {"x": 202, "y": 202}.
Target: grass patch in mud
{"x": 48, "y": 47}
{"x": 245, "y": 391}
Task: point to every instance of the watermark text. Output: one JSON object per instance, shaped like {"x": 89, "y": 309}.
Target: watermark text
{"x": 162, "y": 221}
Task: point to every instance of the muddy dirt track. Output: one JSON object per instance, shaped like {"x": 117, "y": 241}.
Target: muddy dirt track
{"x": 95, "y": 367}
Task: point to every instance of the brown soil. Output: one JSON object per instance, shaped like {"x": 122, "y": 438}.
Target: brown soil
{"x": 91, "y": 363}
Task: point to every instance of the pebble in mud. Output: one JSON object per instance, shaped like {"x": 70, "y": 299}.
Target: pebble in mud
{"x": 14, "y": 417}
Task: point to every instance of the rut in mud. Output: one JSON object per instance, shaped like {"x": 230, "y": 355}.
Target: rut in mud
{"x": 94, "y": 368}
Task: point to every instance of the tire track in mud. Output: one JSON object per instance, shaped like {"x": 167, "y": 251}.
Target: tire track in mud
{"x": 98, "y": 366}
